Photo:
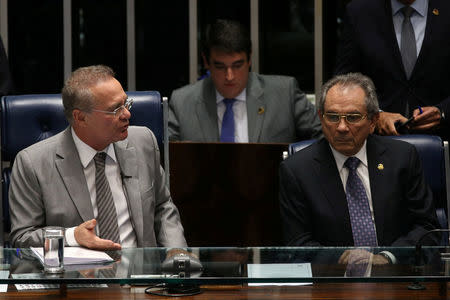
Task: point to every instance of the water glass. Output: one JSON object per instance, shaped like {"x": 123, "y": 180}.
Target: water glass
{"x": 53, "y": 249}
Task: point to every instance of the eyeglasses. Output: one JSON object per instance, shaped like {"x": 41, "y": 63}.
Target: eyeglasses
{"x": 118, "y": 111}
{"x": 350, "y": 118}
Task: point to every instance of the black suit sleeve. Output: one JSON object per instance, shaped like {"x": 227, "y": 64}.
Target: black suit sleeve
{"x": 296, "y": 221}
{"x": 419, "y": 205}
{"x": 348, "y": 58}
{"x": 6, "y": 85}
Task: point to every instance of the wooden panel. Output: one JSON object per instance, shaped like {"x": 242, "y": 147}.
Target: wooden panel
{"x": 227, "y": 194}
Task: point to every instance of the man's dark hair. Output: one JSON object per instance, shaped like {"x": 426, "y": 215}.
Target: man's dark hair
{"x": 228, "y": 36}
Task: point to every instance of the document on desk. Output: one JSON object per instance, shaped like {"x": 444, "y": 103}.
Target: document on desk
{"x": 46, "y": 286}
{"x": 78, "y": 256}
{"x": 4, "y": 274}
{"x": 279, "y": 271}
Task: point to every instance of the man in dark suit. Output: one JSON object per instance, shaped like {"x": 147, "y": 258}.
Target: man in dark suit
{"x": 375, "y": 42}
{"x": 235, "y": 105}
{"x": 318, "y": 191}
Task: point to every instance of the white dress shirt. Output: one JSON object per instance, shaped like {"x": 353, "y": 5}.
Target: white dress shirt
{"x": 240, "y": 116}
{"x": 112, "y": 172}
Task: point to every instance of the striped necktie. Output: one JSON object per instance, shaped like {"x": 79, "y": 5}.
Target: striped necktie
{"x": 107, "y": 215}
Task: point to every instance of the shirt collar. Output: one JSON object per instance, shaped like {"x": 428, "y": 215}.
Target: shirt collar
{"x": 87, "y": 153}
{"x": 240, "y": 97}
{"x": 341, "y": 158}
{"x": 420, "y": 7}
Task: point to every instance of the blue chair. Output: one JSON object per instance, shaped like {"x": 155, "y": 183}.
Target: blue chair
{"x": 434, "y": 154}
{"x": 27, "y": 119}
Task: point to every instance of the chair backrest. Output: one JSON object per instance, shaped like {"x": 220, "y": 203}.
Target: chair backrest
{"x": 27, "y": 119}
{"x": 434, "y": 155}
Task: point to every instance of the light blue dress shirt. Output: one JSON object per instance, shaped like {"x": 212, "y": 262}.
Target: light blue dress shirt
{"x": 418, "y": 20}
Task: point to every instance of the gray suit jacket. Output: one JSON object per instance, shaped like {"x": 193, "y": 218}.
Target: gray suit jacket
{"x": 277, "y": 112}
{"x": 48, "y": 187}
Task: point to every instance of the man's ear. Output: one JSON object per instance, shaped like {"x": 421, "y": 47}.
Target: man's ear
{"x": 79, "y": 117}
{"x": 205, "y": 61}
{"x": 374, "y": 121}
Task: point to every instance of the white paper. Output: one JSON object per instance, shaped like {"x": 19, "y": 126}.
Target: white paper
{"x": 4, "y": 274}
{"x": 46, "y": 286}
{"x": 279, "y": 271}
{"x": 78, "y": 256}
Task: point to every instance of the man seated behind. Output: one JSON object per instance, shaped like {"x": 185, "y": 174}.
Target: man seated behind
{"x": 235, "y": 105}
{"x": 99, "y": 178}
{"x": 353, "y": 188}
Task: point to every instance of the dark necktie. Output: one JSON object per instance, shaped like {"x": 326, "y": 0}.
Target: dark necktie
{"x": 358, "y": 206}
{"x": 107, "y": 216}
{"x": 227, "y": 133}
{"x": 408, "y": 41}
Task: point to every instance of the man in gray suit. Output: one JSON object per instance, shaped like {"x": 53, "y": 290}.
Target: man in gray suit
{"x": 266, "y": 109}
{"x": 57, "y": 182}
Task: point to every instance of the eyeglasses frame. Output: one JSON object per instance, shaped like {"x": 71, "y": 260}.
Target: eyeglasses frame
{"x": 363, "y": 116}
{"x": 128, "y": 104}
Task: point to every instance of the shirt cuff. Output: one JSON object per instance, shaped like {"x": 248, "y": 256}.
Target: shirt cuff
{"x": 391, "y": 256}
{"x": 70, "y": 237}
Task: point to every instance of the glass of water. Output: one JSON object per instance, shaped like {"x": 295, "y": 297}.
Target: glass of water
{"x": 53, "y": 249}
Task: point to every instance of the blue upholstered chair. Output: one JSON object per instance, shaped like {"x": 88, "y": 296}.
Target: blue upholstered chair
{"x": 434, "y": 154}
{"x": 27, "y": 119}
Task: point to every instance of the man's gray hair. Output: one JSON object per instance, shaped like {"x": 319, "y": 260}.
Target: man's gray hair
{"x": 76, "y": 93}
{"x": 352, "y": 80}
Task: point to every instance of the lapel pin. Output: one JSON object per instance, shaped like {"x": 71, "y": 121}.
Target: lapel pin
{"x": 260, "y": 110}
{"x": 436, "y": 12}
{"x": 380, "y": 167}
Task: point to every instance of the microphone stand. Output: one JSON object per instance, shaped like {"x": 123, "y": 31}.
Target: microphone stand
{"x": 418, "y": 257}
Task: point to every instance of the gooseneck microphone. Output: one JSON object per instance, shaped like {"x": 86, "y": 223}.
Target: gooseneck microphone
{"x": 418, "y": 252}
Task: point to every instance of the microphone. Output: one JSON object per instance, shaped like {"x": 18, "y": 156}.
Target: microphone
{"x": 418, "y": 252}
{"x": 418, "y": 257}
{"x": 181, "y": 265}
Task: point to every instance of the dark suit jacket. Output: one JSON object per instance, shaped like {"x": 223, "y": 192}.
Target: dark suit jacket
{"x": 277, "y": 112}
{"x": 368, "y": 45}
{"x": 314, "y": 208}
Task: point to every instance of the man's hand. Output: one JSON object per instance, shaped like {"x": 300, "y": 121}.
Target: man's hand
{"x": 386, "y": 123}
{"x": 429, "y": 118}
{"x": 360, "y": 256}
{"x": 85, "y": 236}
{"x": 355, "y": 256}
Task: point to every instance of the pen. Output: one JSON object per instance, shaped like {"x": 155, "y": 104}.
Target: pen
{"x": 420, "y": 110}
{"x": 19, "y": 254}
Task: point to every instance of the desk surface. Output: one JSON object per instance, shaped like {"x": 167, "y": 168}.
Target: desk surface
{"x": 227, "y": 266}
{"x": 315, "y": 291}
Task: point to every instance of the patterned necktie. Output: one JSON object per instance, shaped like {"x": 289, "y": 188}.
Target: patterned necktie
{"x": 107, "y": 216}
{"x": 408, "y": 41}
{"x": 227, "y": 133}
{"x": 358, "y": 205}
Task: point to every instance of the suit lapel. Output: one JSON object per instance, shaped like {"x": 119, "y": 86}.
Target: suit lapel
{"x": 256, "y": 108}
{"x": 127, "y": 159}
{"x": 206, "y": 108}
{"x": 327, "y": 173}
{"x": 433, "y": 21}
{"x": 376, "y": 163}
{"x": 69, "y": 167}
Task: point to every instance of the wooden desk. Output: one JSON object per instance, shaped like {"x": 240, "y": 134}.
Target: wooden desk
{"x": 227, "y": 194}
{"x": 316, "y": 291}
